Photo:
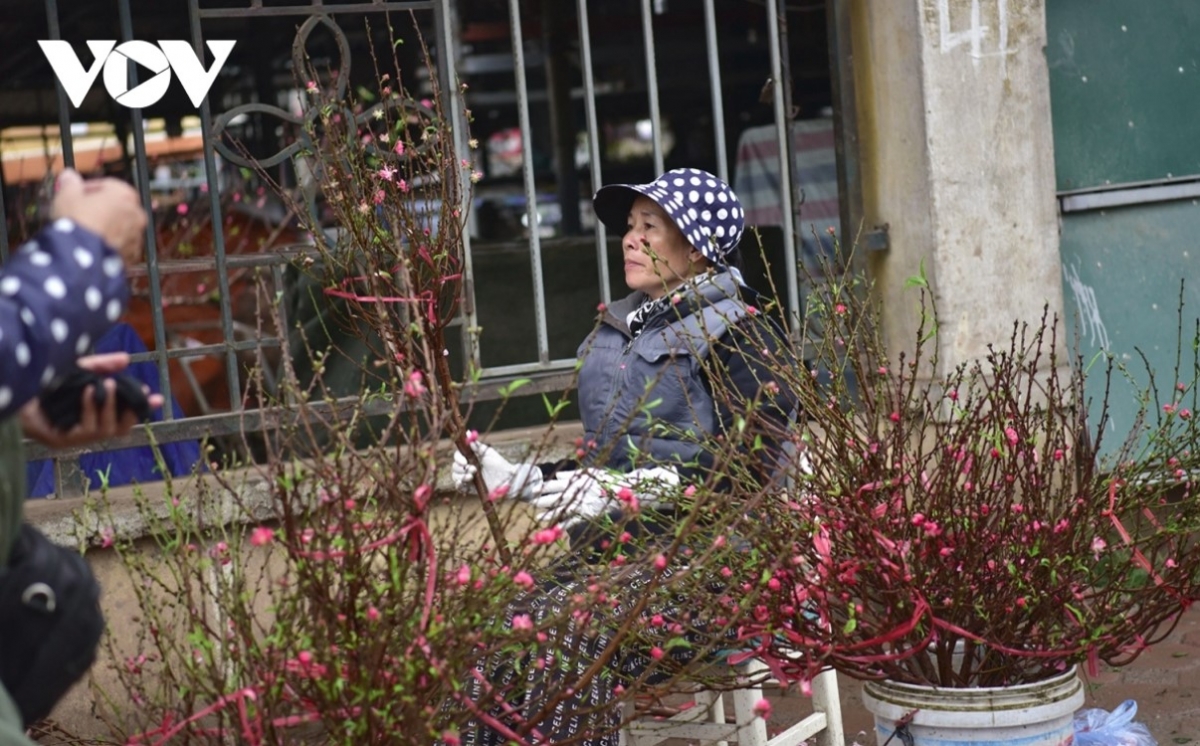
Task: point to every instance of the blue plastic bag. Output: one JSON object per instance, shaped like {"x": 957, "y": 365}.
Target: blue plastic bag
{"x": 1102, "y": 728}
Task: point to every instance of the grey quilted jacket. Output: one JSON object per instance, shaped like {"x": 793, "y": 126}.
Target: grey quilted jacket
{"x": 649, "y": 400}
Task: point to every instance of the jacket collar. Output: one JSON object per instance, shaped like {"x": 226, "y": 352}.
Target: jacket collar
{"x": 695, "y": 296}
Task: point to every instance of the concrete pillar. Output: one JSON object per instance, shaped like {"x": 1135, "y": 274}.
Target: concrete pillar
{"x": 957, "y": 157}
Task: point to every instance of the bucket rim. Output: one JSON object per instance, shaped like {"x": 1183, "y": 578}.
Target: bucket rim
{"x": 1050, "y": 683}
{"x": 1049, "y": 693}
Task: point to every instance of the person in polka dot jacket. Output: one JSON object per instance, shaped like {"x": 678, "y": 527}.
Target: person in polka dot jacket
{"x": 66, "y": 286}
{"x": 59, "y": 292}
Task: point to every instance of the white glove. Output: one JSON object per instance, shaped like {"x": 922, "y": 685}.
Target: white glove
{"x": 795, "y": 461}
{"x": 522, "y": 480}
{"x": 804, "y": 463}
{"x": 574, "y": 496}
{"x": 798, "y": 465}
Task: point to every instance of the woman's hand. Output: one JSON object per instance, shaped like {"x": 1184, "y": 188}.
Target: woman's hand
{"x": 96, "y": 423}
{"x": 574, "y": 496}
{"x": 523, "y": 481}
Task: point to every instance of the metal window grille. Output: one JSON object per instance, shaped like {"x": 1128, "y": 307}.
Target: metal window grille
{"x": 237, "y": 337}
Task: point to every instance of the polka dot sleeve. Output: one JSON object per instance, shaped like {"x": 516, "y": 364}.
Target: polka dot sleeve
{"x": 58, "y": 293}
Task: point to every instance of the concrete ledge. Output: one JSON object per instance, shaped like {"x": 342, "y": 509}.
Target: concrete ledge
{"x": 93, "y": 520}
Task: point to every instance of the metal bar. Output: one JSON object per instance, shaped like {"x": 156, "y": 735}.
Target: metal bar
{"x": 63, "y": 467}
{"x": 446, "y": 18}
{"x": 179, "y": 353}
{"x": 259, "y": 11}
{"x": 194, "y": 325}
{"x": 519, "y": 368}
{"x": 1124, "y": 197}
{"x": 845, "y": 127}
{"x": 216, "y": 425}
{"x": 714, "y": 81}
{"x": 236, "y": 261}
{"x": 547, "y": 382}
{"x": 197, "y": 389}
{"x": 785, "y": 77}
{"x": 67, "y": 145}
{"x": 250, "y": 420}
{"x": 142, "y": 172}
{"x": 652, "y": 85}
{"x": 593, "y": 135}
{"x": 535, "y": 246}
{"x": 218, "y": 230}
{"x": 557, "y": 66}
{"x": 783, "y": 131}
{"x": 69, "y": 479}
{"x": 64, "y": 105}
{"x": 56, "y": 465}
{"x": 1188, "y": 178}
{"x": 284, "y": 329}
{"x": 504, "y": 98}
{"x": 557, "y": 62}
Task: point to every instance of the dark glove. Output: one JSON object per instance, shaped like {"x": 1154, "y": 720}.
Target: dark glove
{"x": 62, "y": 400}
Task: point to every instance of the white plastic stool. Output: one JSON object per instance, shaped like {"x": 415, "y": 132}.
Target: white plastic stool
{"x": 705, "y": 724}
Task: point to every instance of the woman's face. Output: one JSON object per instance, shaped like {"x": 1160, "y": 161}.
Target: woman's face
{"x": 657, "y": 256}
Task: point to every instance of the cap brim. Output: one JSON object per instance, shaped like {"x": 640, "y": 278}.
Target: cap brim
{"x": 613, "y": 203}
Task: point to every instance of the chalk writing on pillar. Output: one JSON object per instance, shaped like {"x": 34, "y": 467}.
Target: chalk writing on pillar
{"x": 982, "y": 39}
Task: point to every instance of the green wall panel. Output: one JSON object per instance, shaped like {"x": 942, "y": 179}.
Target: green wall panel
{"x": 1121, "y": 278}
{"x": 1124, "y": 90}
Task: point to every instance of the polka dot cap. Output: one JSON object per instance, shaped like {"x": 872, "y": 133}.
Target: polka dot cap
{"x": 704, "y": 207}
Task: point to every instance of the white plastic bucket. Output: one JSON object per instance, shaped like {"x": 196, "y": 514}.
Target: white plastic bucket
{"x": 1038, "y": 714}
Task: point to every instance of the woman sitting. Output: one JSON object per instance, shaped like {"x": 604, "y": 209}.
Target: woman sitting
{"x": 687, "y": 362}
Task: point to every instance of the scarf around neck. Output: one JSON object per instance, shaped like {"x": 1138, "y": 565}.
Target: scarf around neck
{"x": 652, "y": 307}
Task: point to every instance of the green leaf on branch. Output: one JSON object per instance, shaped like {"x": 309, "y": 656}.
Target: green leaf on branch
{"x": 552, "y": 410}
{"x": 918, "y": 280}
{"x": 507, "y": 391}
{"x": 651, "y": 405}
